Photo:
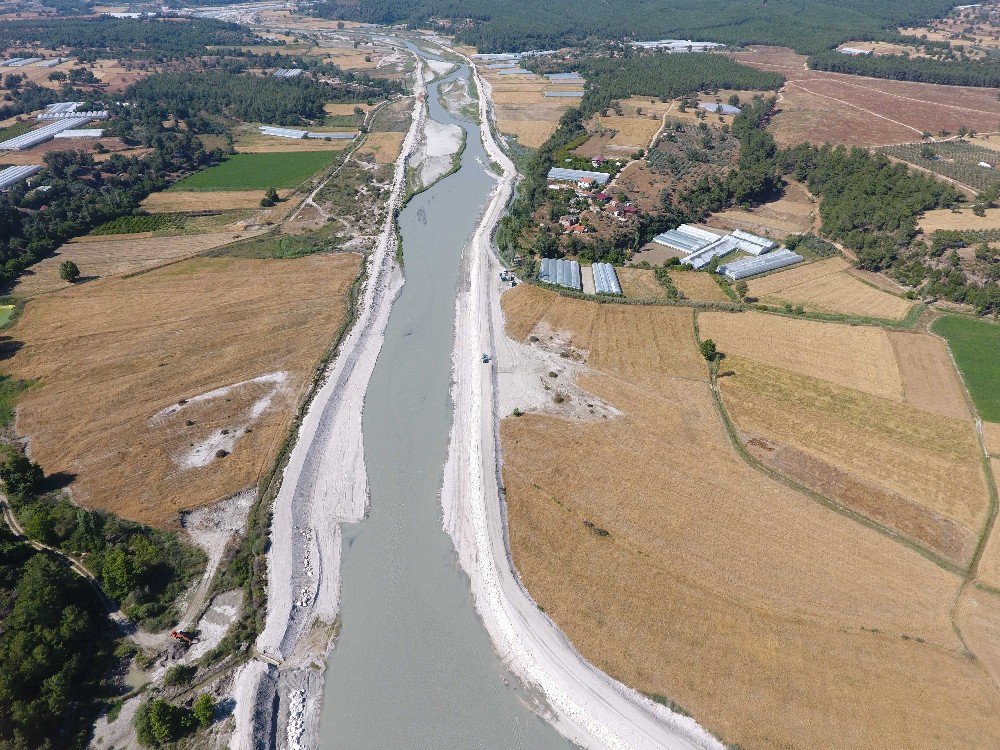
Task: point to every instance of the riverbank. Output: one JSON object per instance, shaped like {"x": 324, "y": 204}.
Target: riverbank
{"x": 585, "y": 705}
{"x": 324, "y": 485}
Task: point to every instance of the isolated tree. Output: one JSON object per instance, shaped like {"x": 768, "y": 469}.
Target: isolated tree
{"x": 742, "y": 288}
{"x": 270, "y": 198}
{"x": 21, "y": 476}
{"x": 69, "y": 271}
{"x": 708, "y": 350}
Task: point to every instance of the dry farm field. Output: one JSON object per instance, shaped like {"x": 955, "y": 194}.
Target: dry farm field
{"x": 639, "y": 283}
{"x": 174, "y": 388}
{"x": 698, "y": 285}
{"x": 959, "y": 220}
{"x": 827, "y": 286}
{"x": 521, "y": 108}
{"x": 114, "y": 255}
{"x": 676, "y": 567}
{"x": 820, "y": 107}
{"x": 180, "y": 201}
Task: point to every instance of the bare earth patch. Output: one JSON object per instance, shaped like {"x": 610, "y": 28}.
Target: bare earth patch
{"x": 141, "y": 381}
{"x": 384, "y": 147}
{"x": 181, "y": 201}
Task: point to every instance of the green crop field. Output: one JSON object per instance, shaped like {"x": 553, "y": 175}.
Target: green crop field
{"x": 976, "y": 346}
{"x": 18, "y": 128}
{"x": 259, "y": 171}
{"x": 139, "y": 223}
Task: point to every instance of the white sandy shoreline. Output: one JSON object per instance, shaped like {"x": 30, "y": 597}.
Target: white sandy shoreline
{"x": 324, "y": 484}
{"x": 587, "y": 706}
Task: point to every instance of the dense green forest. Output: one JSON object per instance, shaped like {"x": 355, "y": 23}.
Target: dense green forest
{"x": 209, "y": 101}
{"x": 127, "y": 38}
{"x": 667, "y": 76}
{"x": 809, "y": 26}
{"x": 902, "y": 68}
{"x": 55, "y": 649}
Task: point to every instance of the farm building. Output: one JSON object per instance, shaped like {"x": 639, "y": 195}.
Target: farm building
{"x": 53, "y": 62}
{"x": 678, "y": 45}
{"x": 573, "y": 77}
{"x": 751, "y": 243}
{"x": 61, "y": 107}
{"x": 42, "y": 134}
{"x": 686, "y": 238}
{"x": 563, "y": 93}
{"x": 719, "y": 109}
{"x": 854, "y": 51}
{"x": 81, "y": 133}
{"x": 293, "y": 133}
{"x": 95, "y": 114}
{"x": 514, "y": 72}
{"x": 746, "y": 267}
{"x": 561, "y": 273}
{"x": 701, "y": 258}
{"x": 13, "y": 175}
{"x": 606, "y": 279}
{"x": 288, "y": 72}
{"x": 501, "y": 65}
{"x": 21, "y": 62}
{"x": 577, "y": 175}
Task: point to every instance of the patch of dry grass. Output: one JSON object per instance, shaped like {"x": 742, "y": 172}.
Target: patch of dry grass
{"x": 183, "y": 201}
{"x": 915, "y": 472}
{"x": 640, "y": 283}
{"x": 991, "y": 435}
{"x": 110, "y": 355}
{"x": 961, "y": 220}
{"x": 826, "y": 286}
{"x": 698, "y": 285}
{"x": 114, "y": 255}
{"x": 747, "y": 603}
{"x": 384, "y": 147}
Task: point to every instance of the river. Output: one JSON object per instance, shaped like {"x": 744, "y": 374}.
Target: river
{"x": 413, "y": 666}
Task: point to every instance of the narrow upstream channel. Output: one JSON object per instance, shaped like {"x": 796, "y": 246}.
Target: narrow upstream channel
{"x": 413, "y": 666}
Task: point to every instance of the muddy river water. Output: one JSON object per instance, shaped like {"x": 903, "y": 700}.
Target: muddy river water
{"x": 413, "y": 666}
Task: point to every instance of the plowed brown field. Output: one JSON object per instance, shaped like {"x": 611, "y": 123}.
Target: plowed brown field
{"x": 114, "y": 359}
{"x": 820, "y": 107}
{"x": 776, "y": 622}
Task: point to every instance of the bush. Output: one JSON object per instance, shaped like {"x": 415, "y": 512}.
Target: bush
{"x": 204, "y": 709}
{"x": 708, "y": 350}
{"x": 21, "y": 476}
{"x": 179, "y": 674}
{"x": 69, "y": 271}
{"x": 158, "y": 722}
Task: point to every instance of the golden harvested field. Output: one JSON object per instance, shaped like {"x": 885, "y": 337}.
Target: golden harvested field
{"x": 522, "y": 109}
{"x": 793, "y": 213}
{"x": 826, "y": 286}
{"x": 639, "y": 283}
{"x": 252, "y": 141}
{"x": 114, "y": 255}
{"x": 384, "y": 147}
{"x": 991, "y": 433}
{"x": 945, "y": 218}
{"x": 744, "y": 601}
{"x": 181, "y": 201}
{"x": 336, "y": 108}
{"x": 910, "y": 367}
{"x": 115, "y": 359}
{"x": 917, "y": 473}
{"x": 698, "y": 285}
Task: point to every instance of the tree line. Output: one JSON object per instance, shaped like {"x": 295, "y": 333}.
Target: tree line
{"x": 980, "y": 73}
{"x": 125, "y": 37}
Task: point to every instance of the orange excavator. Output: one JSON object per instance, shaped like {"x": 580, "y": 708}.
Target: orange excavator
{"x": 182, "y": 636}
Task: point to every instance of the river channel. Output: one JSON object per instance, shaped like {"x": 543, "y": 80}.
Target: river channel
{"x": 413, "y": 666}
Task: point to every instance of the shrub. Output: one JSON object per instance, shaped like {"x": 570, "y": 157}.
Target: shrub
{"x": 69, "y": 271}
{"x": 179, "y": 674}
{"x": 204, "y": 709}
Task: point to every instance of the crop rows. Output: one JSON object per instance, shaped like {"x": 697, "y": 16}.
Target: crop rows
{"x": 958, "y": 160}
